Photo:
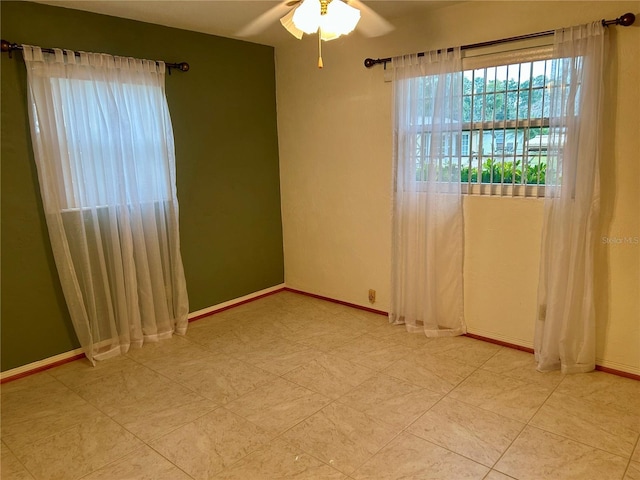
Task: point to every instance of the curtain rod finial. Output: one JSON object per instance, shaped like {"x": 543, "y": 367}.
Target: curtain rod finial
{"x": 627, "y": 19}
{"x": 623, "y": 20}
{"x": 5, "y": 46}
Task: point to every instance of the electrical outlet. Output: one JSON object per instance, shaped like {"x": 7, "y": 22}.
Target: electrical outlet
{"x": 372, "y": 296}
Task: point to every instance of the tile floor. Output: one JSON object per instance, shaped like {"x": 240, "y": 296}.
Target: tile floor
{"x": 294, "y": 387}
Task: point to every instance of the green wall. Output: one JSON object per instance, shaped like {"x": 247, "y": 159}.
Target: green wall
{"x": 224, "y": 119}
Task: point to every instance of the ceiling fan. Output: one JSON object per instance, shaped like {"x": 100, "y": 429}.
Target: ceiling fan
{"x": 329, "y": 18}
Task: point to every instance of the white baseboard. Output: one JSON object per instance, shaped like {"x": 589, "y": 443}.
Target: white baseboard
{"x": 67, "y": 356}
{"x": 41, "y": 364}
{"x": 621, "y": 367}
{"x": 613, "y": 367}
{"x": 224, "y": 305}
{"x": 503, "y": 338}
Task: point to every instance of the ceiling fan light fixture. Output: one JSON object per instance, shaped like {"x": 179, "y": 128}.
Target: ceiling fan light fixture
{"x": 329, "y": 18}
{"x": 287, "y": 22}
{"x": 326, "y": 36}
{"x": 340, "y": 19}
{"x": 306, "y": 16}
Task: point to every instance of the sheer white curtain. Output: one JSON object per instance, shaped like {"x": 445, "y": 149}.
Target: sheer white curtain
{"x": 103, "y": 145}
{"x": 428, "y": 233}
{"x": 565, "y": 328}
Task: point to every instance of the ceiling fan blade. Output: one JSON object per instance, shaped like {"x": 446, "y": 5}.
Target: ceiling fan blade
{"x": 371, "y": 24}
{"x": 265, "y": 20}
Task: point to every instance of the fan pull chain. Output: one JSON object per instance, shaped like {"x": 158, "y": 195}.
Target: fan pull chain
{"x": 320, "y": 64}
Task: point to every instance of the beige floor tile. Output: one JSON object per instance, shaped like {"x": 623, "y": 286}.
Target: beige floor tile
{"x": 211, "y": 443}
{"x": 462, "y": 349}
{"x": 296, "y": 329}
{"x": 280, "y": 460}
{"x": 276, "y": 300}
{"x": 261, "y": 318}
{"x": 399, "y": 334}
{"x": 251, "y": 308}
{"x": 385, "y": 329}
{"x": 225, "y": 379}
{"x": 359, "y": 320}
{"x": 522, "y": 366}
{"x": 249, "y": 315}
{"x": 293, "y": 327}
{"x": 253, "y": 322}
{"x": 336, "y": 308}
{"x": 276, "y": 355}
{"x": 20, "y": 435}
{"x": 304, "y": 329}
{"x": 25, "y": 383}
{"x": 477, "y": 434}
{"x": 237, "y": 340}
{"x": 373, "y": 352}
{"x": 328, "y": 341}
{"x": 10, "y": 466}
{"x": 283, "y": 361}
{"x": 133, "y": 390}
{"x": 411, "y": 458}
{"x": 636, "y": 454}
{"x": 603, "y": 387}
{"x": 434, "y": 373}
{"x": 75, "y": 374}
{"x": 152, "y": 352}
{"x": 302, "y": 303}
{"x": 495, "y": 475}
{"x": 503, "y": 395}
{"x": 77, "y": 451}
{"x": 391, "y": 400}
{"x": 34, "y": 398}
{"x": 377, "y": 318}
{"x": 278, "y": 405}
{"x": 232, "y": 328}
{"x": 142, "y": 464}
{"x": 208, "y": 329}
{"x": 605, "y": 426}
{"x": 162, "y": 414}
{"x": 537, "y": 454}
{"x": 145, "y": 402}
{"x": 309, "y": 307}
{"x": 330, "y": 375}
{"x": 633, "y": 471}
{"x": 184, "y": 362}
{"x": 296, "y": 325}
{"x": 341, "y": 436}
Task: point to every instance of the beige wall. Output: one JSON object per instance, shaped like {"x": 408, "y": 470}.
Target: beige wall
{"x": 335, "y": 164}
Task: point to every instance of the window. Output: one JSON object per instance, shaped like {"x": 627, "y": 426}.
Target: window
{"x": 505, "y": 124}
{"x": 506, "y": 118}
{"x": 116, "y": 159}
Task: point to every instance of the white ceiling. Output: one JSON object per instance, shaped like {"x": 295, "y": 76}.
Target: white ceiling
{"x": 226, "y": 18}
